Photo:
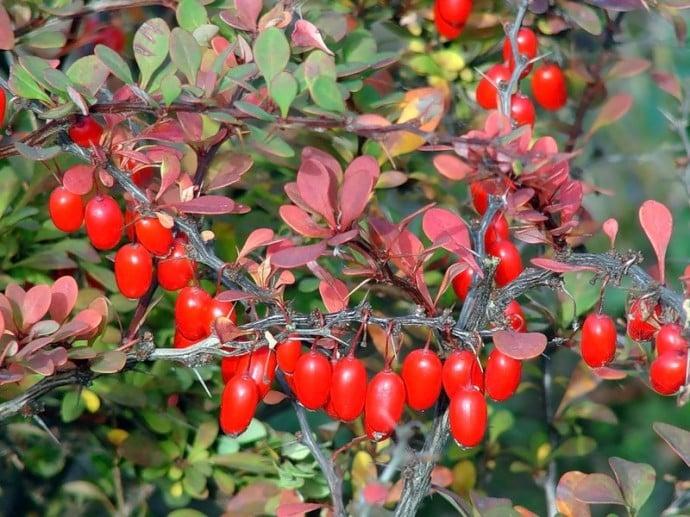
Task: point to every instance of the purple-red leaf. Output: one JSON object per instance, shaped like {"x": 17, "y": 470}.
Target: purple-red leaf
{"x": 307, "y": 35}
{"x": 297, "y": 256}
{"x": 598, "y": 489}
{"x": 628, "y": 67}
{"x": 232, "y": 295}
{"x": 520, "y": 345}
{"x": 451, "y": 167}
{"x": 211, "y": 205}
{"x": 612, "y": 110}
{"x": 359, "y": 181}
{"x": 296, "y": 509}
{"x": 610, "y": 228}
{"x": 35, "y": 304}
{"x": 668, "y": 83}
{"x": 64, "y": 293}
{"x": 170, "y": 172}
{"x": 231, "y": 171}
{"x": 301, "y": 222}
{"x": 446, "y": 229}
{"x": 334, "y": 294}
{"x": 78, "y": 179}
{"x": 256, "y": 239}
{"x": 317, "y": 188}
{"x": 678, "y": 439}
{"x": 6, "y": 32}
{"x": 657, "y": 223}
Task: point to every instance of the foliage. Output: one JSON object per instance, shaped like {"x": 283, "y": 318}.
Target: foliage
{"x": 328, "y": 170}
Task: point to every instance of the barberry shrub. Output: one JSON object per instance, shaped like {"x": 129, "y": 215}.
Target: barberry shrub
{"x": 334, "y": 258}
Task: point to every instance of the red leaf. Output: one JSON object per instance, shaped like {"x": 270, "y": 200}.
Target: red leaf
{"x": 520, "y": 345}
{"x": 628, "y": 67}
{"x": 359, "y": 181}
{"x": 90, "y": 317}
{"x": 78, "y": 179}
{"x": 6, "y": 32}
{"x": 375, "y": 493}
{"x": 256, "y": 239}
{"x": 316, "y": 186}
{"x": 612, "y": 110}
{"x": 558, "y": 267}
{"x": 516, "y": 199}
{"x": 273, "y": 397}
{"x": 657, "y": 223}
{"x": 231, "y": 171}
{"x": 451, "y": 166}
{"x": 446, "y": 229}
{"x": 64, "y": 293}
{"x": 334, "y": 294}
{"x": 610, "y": 374}
{"x": 170, "y": 172}
{"x": 301, "y": 222}
{"x": 296, "y": 509}
{"x": 33, "y": 347}
{"x": 441, "y": 476}
{"x": 342, "y": 238}
{"x": 210, "y": 205}
{"x": 297, "y": 256}
{"x": 325, "y": 159}
{"x": 669, "y": 83}
{"x": 231, "y": 295}
{"x": 35, "y": 304}
{"x": 610, "y": 228}
{"x": 307, "y": 35}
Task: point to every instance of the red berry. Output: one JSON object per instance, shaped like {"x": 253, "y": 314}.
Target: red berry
{"x": 133, "y": 270}
{"x": 85, "y": 132}
{"x": 669, "y": 338}
{"x": 177, "y": 270}
{"x": 468, "y": 416}
{"x": 668, "y": 372}
{"x": 384, "y": 403}
{"x": 444, "y": 28}
{"x": 104, "y": 222}
{"x": 549, "y": 87}
{"x": 179, "y": 341}
{"x": 642, "y": 320}
{"x": 515, "y": 317}
{"x": 221, "y": 309}
{"x": 113, "y": 37}
{"x": 238, "y": 404}
{"x": 527, "y": 44}
{"x": 462, "y": 282}
{"x": 462, "y": 370}
{"x": 501, "y": 376}
{"x": 3, "y": 105}
{"x": 487, "y": 94}
{"x": 66, "y": 209}
{"x": 153, "y": 235}
{"x": 498, "y": 230}
{"x": 598, "y": 341}
{"x": 522, "y": 110}
{"x": 454, "y": 12}
{"x": 192, "y": 313}
{"x": 143, "y": 176}
{"x": 229, "y": 366}
{"x": 422, "y": 375}
{"x": 480, "y": 196}
{"x": 312, "y": 380}
{"x": 348, "y": 388}
{"x": 261, "y": 367}
{"x": 288, "y": 353}
{"x": 130, "y": 217}
{"x": 510, "y": 266}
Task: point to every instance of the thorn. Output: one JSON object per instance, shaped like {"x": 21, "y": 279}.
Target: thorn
{"x": 203, "y": 383}
{"x": 43, "y": 426}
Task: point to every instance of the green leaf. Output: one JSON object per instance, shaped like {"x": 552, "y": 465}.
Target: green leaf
{"x": 157, "y": 421}
{"x": 151, "y": 47}
{"x": 71, "y": 407}
{"x": 283, "y": 89}
{"x": 142, "y": 450}
{"x": 57, "y": 79}
{"x": 87, "y": 490}
{"x": 25, "y": 86}
{"x": 88, "y": 72}
{"x": 227, "y": 445}
{"x": 500, "y": 422}
{"x": 206, "y": 435}
{"x": 225, "y": 482}
{"x": 37, "y": 153}
{"x": 194, "y": 482}
{"x": 9, "y": 186}
{"x": 171, "y": 88}
{"x": 191, "y": 14}
{"x": 324, "y": 90}
{"x": 45, "y": 39}
{"x": 185, "y": 53}
{"x": 585, "y": 294}
{"x": 636, "y": 480}
{"x": 115, "y": 63}
{"x": 576, "y": 446}
{"x": 247, "y": 461}
{"x": 254, "y": 111}
{"x": 110, "y": 362}
{"x": 271, "y": 53}
{"x": 270, "y": 143}
{"x": 256, "y": 431}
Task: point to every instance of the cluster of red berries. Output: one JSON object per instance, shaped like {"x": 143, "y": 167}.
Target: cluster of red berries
{"x": 450, "y": 16}
{"x": 340, "y": 387}
{"x": 196, "y": 313}
{"x": 667, "y": 372}
{"x": 548, "y": 81}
